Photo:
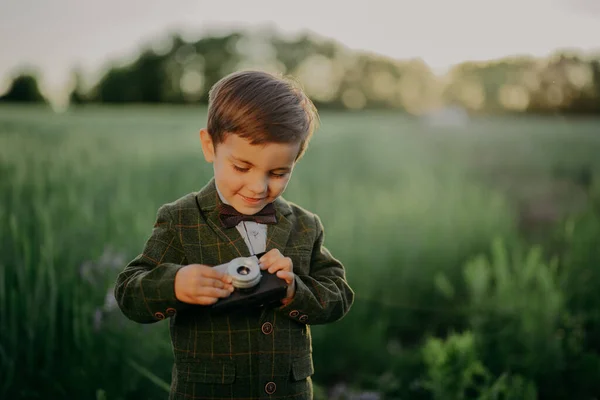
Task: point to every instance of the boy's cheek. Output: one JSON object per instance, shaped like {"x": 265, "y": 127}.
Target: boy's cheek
{"x": 280, "y": 187}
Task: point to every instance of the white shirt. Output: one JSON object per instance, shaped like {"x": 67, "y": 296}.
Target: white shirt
{"x": 256, "y": 237}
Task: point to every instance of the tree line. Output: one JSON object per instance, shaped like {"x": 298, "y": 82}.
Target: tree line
{"x": 340, "y": 78}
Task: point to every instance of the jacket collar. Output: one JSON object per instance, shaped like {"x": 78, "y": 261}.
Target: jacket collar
{"x": 277, "y": 234}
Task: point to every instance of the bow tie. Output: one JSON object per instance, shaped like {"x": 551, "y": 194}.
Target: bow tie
{"x": 230, "y": 217}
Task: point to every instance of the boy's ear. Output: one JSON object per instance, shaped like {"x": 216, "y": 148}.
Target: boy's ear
{"x": 208, "y": 147}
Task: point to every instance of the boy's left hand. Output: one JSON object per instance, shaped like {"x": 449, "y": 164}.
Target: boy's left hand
{"x": 275, "y": 262}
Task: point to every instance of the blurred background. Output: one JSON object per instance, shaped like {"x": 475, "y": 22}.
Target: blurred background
{"x": 456, "y": 172}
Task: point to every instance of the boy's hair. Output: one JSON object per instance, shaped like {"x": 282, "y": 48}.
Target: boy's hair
{"x": 262, "y": 108}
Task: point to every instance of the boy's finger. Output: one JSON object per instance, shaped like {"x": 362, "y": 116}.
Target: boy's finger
{"x": 213, "y": 292}
{"x": 206, "y": 300}
{"x": 220, "y": 284}
{"x": 276, "y": 267}
{"x": 281, "y": 264}
{"x": 264, "y": 261}
{"x": 216, "y": 274}
{"x": 272, "y": 253}
{"x": 270, "y": 256}
{"x": 285, "y": 301}
{"x": 212, "y": 273}
{"x": 210, "y": 282}
{"x": 286, "y": 275}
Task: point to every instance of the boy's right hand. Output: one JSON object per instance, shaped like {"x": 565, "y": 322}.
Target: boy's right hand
{"x": 201, "y": 284}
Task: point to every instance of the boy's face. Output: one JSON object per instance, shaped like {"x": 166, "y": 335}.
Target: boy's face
{"x": 249, "y": 176}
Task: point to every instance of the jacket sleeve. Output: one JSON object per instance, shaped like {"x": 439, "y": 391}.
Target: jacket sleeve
{"x": 145, "y": 289}
{"x": 322, "y": 296}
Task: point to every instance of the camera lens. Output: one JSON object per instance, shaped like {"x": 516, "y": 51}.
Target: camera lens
{"x": 243, "y": 270}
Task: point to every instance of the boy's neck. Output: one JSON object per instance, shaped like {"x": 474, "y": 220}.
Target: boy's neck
{"x": 221, "y": 196}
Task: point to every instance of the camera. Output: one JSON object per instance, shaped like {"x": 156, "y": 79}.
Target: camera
{"x": 253, "y": 287}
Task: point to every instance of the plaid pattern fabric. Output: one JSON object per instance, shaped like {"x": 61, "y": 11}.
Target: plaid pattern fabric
{"x": 255, "y": 354}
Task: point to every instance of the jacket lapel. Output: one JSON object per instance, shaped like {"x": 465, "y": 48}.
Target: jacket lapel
{"x": 208, "y": 200}
{"x": 278, "y": 234}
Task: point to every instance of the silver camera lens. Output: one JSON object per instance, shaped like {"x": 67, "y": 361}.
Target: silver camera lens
{"x": 244, "y": 271}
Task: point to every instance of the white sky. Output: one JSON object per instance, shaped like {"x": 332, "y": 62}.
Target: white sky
{"x": 55, "y": 35}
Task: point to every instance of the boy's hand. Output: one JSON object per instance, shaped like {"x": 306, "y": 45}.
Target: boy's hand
{"x": 201, "y": 284}
{"x": 275, "y": 262}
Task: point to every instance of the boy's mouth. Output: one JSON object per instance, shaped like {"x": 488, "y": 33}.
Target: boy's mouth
{"x": 252, "y": 200}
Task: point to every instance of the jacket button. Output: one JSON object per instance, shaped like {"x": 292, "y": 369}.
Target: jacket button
{"x": 159, "y": 315}
{"x": 171, "y": 312}
{"x": 270, "y": 387}
{"x": 267, "y": 328}
{"x": 303, "y": 318}
{"x": 294, "y": 314}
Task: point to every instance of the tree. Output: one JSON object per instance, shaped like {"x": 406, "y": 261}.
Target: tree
{"x": 77, "y": 95}
{"x": 24, "y": 89}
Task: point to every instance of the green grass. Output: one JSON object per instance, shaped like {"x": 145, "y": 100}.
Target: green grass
{"x": 405, "y": 205}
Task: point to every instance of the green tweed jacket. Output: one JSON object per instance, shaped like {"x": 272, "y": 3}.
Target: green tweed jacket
{"x": 255, "y": 354}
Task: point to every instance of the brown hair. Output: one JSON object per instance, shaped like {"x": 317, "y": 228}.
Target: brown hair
{"x": 262, "y": 108}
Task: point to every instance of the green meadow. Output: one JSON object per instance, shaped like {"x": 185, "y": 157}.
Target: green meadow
{"x": 473, "y": 250}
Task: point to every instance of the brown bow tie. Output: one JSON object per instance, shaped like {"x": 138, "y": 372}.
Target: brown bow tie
{"x": 230, "y": 217}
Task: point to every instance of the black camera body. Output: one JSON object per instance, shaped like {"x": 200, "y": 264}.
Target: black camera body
{"x": 253, "y": 287}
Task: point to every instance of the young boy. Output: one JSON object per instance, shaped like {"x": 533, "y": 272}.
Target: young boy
{"x": 258, "y": 128}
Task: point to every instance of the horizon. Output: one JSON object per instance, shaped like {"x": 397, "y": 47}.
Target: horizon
{"x": 440, "y": 34}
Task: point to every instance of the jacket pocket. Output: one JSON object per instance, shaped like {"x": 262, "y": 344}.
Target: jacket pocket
{"x": 302, "y": 368}
{"x": 207, "y": 372}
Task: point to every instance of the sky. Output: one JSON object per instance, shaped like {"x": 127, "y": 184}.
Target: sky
{"x": 54, "y": 36}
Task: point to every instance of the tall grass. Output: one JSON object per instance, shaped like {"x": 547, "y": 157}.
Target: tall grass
{"x": 405, "y": 206}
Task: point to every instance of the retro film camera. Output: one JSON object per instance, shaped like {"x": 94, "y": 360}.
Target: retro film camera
{"x": 253, "y": 287}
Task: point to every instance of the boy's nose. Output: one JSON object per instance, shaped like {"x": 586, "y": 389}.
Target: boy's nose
{"x": 258, "y": 186}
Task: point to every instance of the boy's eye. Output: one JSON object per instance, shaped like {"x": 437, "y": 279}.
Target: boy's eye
{"x": 280, "y": 175}
{"x": 240, "y": 169}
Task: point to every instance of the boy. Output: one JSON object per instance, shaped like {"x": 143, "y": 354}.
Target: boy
{"x": 258, "y": 128}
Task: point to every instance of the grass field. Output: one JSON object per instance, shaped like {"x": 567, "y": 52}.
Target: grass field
{"x": 405, "y": 206}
